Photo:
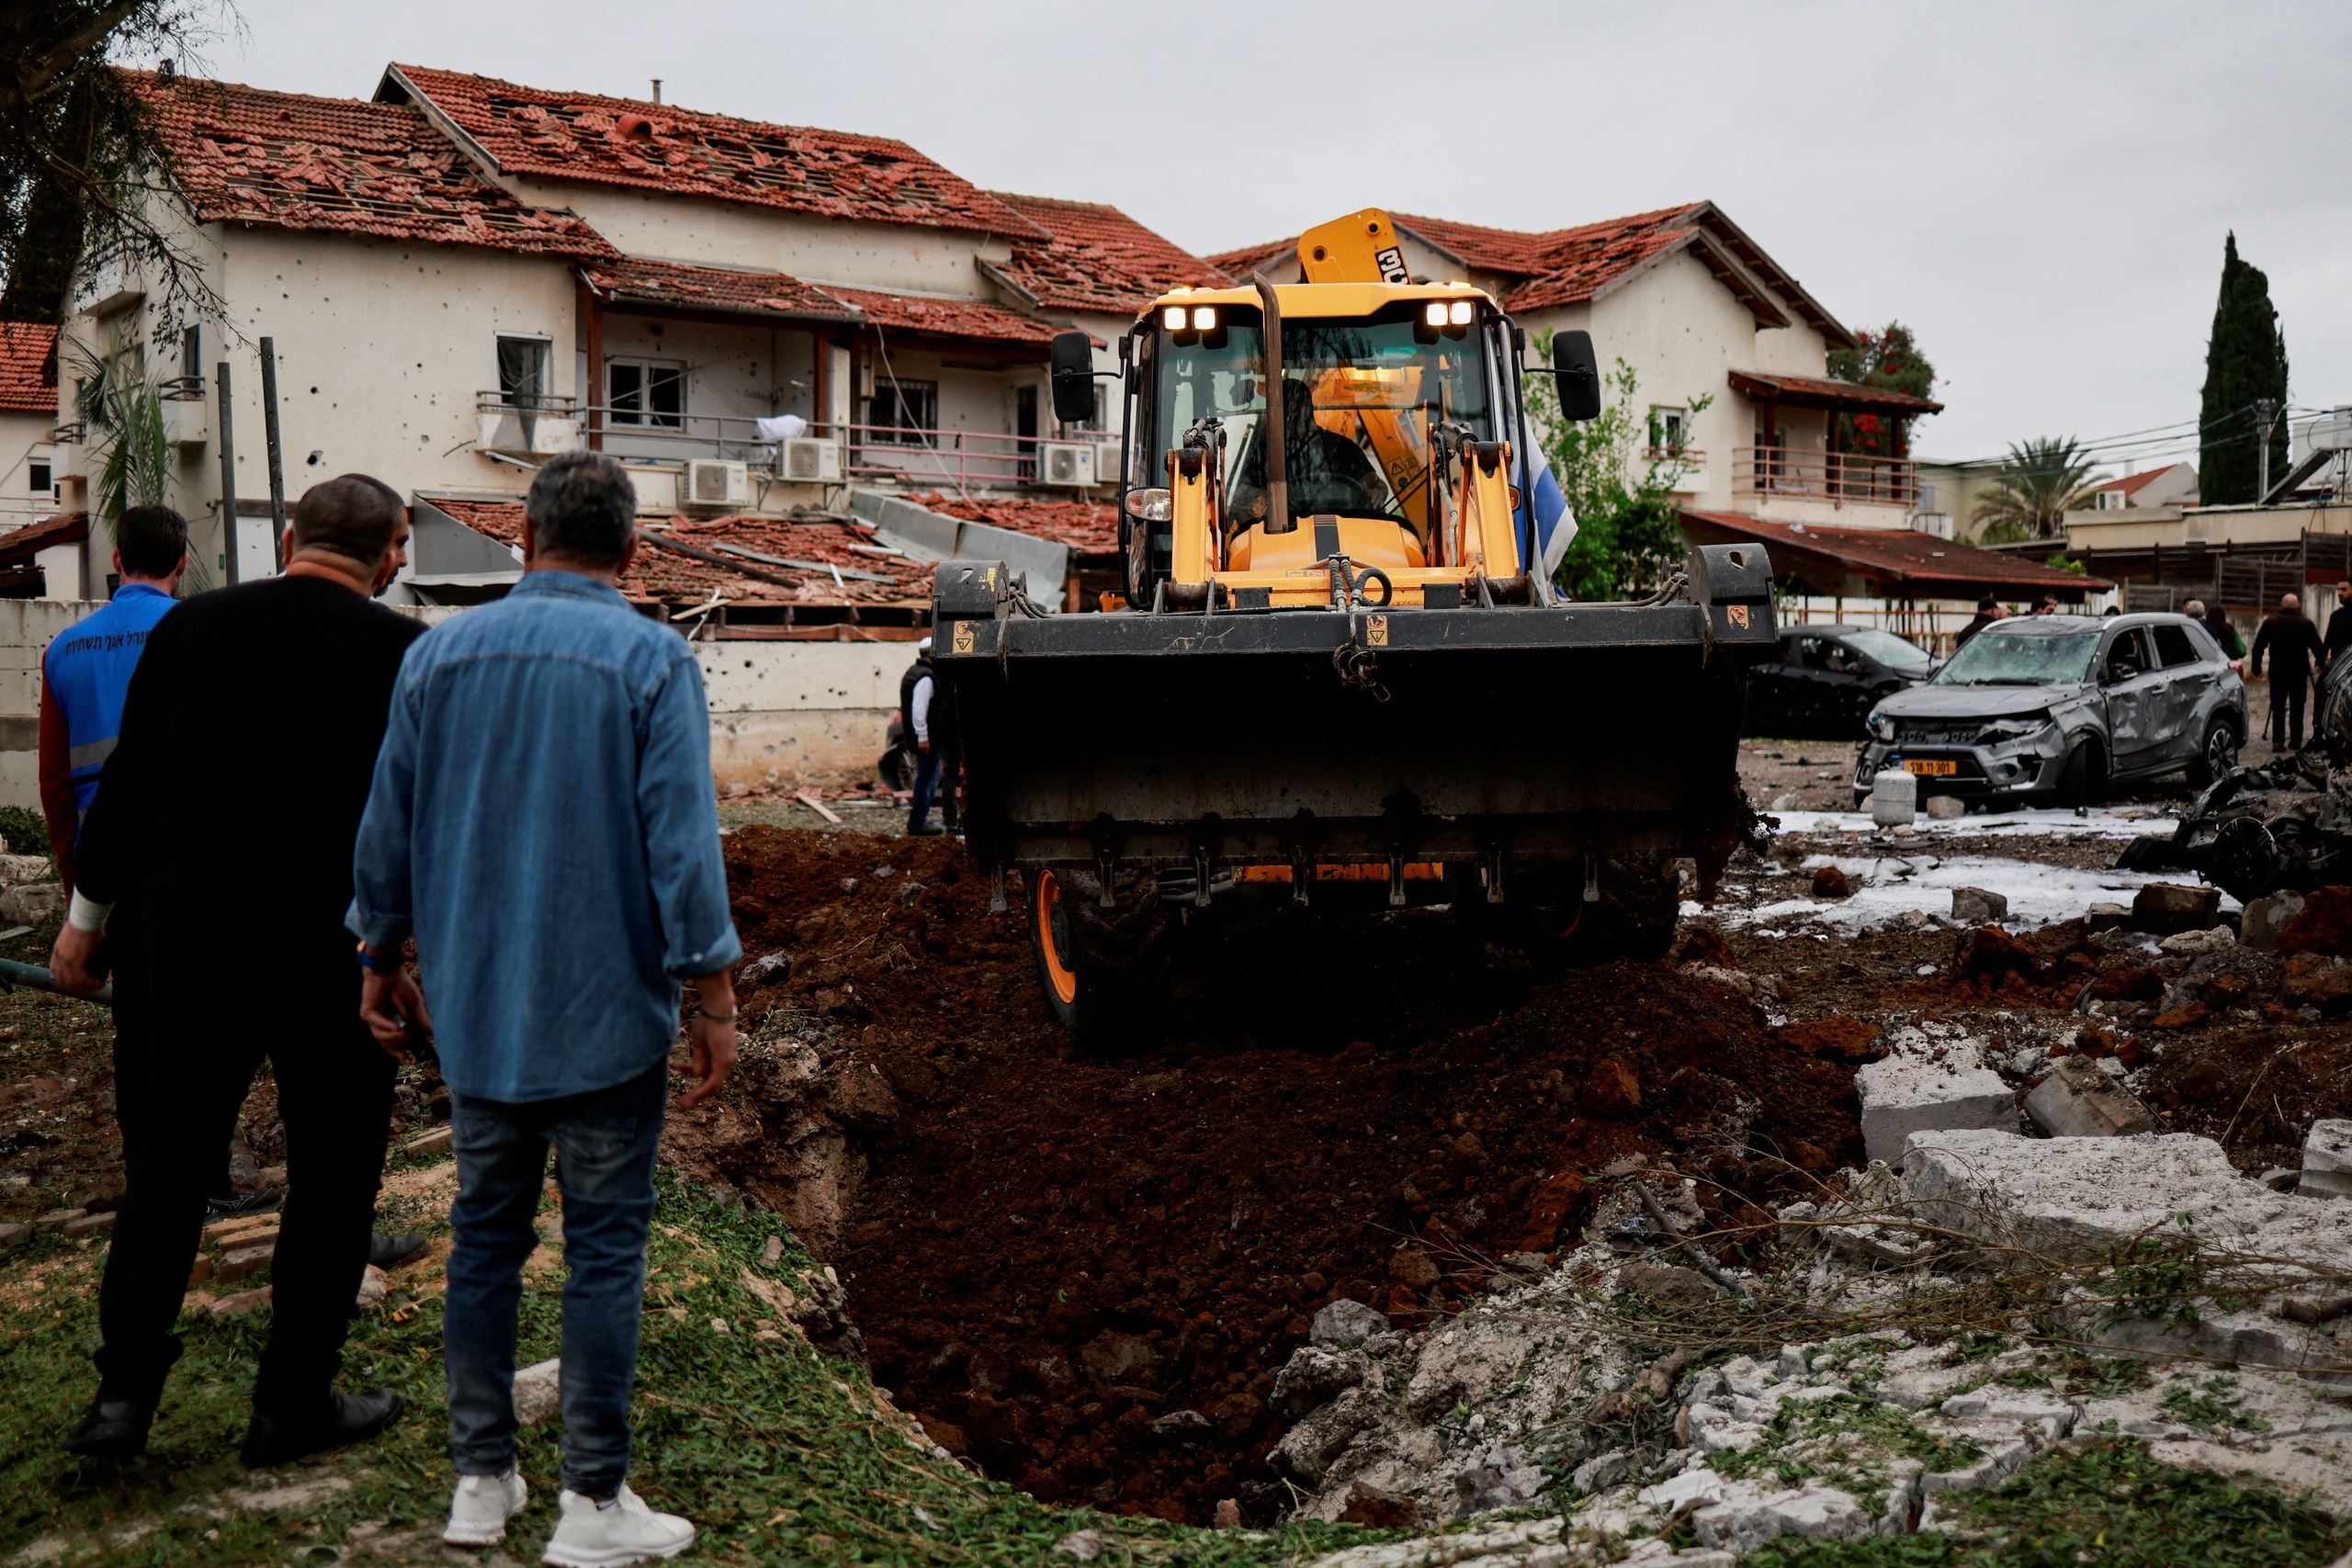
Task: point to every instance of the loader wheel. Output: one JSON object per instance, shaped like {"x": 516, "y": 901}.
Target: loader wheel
{"x": 1100, "y": 967}
{"x": 1052, "y": 935}
{"x": 1635, "y": 917}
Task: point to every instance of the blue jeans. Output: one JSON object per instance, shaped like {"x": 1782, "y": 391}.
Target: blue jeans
{"x": 926, "y": 786}
{"x": 604, "y": 1144}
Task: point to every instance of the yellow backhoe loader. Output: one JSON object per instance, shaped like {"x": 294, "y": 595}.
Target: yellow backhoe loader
{"x": 1342, "y": 679}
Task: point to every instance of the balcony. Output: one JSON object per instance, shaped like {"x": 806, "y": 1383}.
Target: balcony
{"x": 535, "y": 424}
{"x": 1838, "y": 477}
{"x": 1689, "y": 465}
{"x": 950, "y": 460}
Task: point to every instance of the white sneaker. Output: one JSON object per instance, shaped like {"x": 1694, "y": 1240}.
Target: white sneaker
{"x": 626, "y": 1532}
{"x": 481, "y": 1506}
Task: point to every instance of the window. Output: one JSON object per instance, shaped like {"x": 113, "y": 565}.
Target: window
{"x": 647, "y": 392}
{"x": 2173, "y": 645}
{"x": 37, "y": 476}
{"x": 1669, "y": 428}
{"x": 904, "y": 411}
{"x": 1093, "y": 423}
{"x": 522, "y": 371}
{"x": 2128, "y": 658}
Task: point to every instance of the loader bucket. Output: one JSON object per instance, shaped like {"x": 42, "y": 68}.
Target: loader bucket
{"x": 1498, "y": 740}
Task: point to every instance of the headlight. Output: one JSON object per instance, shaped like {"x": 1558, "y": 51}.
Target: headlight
{"x": 1435, "y": 314}
{"x": 2006, "y": 729}
{"x": 1460, "y": 312}
{"x": 1204, "y": 318}
{"x": 1172, "y": 318}
{"x": 1882, "y": 727}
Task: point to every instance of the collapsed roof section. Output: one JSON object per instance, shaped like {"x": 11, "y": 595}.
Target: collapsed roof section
{"x": 1095, "y": 258}
{"x": 247, "y": 155}
{"x": 27, "y": 368}
{"x": 588, "y": 139}
{"x": 1886, "y": 563}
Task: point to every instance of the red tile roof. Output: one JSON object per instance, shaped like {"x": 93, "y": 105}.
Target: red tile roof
{"x": 2132, "y": 484}
{"x": 1098, "y": 258}
{"x": 622, "y": 141}
{"x": 1571, "y": 266}
{"x": 946, "y": 317}
{"x": 1087, "y": 528}
{"x": 244, "y": 155}
{"x": 27, "y": 368}
{"x": 1813, "y": 391}
{"x": 629, "y": 281}
{"x": 1895, "y": 562}
{"x": 18, "y": 546}
{"x": 665, "y": 577}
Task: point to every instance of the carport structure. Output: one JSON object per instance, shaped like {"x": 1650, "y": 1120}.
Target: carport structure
{"x": 1915, "y": 574}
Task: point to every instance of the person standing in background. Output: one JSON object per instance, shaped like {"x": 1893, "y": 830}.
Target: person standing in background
{"x": 2340, "y": 627}
{"x": 1988, "y": 609}
{"x": 2292, "y": 642}
{"x": 224, "y": 820}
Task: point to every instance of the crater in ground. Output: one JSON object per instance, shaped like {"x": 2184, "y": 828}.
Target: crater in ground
{"x": 1083, "y": 1271}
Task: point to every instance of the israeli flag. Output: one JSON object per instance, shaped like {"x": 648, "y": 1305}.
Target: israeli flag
{"x": 1547, "y": 527}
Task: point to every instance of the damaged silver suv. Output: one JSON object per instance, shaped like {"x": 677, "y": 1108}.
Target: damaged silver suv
{"x": 2053, "y": 709}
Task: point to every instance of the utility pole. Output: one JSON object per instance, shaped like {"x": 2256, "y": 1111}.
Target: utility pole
{"x": 2265, "y": 414}
{"x": 228, "y": 476}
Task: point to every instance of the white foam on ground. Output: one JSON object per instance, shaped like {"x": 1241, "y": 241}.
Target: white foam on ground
{"x": 2102, "y": 821}
{"x": 1886, "y": 888}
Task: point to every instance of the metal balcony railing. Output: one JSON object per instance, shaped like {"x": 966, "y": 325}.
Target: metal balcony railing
{"x": 949, "y": 458}
{"x": 1825, "y": 476}
{"x": 21, "y": 510}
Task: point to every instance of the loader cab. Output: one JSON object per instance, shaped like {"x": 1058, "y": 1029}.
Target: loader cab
{"x": 1369, "y": 395}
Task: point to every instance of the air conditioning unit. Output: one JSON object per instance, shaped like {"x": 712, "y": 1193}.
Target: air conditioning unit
{"x": 717, "y": 486}
{"x": 1067, "y": 463}
{"x": 808, "y": 459}
{"x": 1106, "y": 462}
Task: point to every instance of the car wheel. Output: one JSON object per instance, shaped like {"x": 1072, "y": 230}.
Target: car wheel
{"x": 2218, "y": 755}
{"x": 2084, "y": 778}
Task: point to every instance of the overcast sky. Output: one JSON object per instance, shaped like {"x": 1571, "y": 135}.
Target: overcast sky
{"x": 2040, "y": 191}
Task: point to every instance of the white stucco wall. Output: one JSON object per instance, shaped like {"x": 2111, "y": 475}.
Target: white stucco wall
{"x": 24, "y": 440}
{"x": 26, "y": 629}
{"x": 799, "y": 712}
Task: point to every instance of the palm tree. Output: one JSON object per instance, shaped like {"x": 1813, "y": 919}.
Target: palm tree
{"x": 2042, "y": 480}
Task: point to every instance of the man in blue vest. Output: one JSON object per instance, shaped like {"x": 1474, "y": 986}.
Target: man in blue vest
{"x": 84, "y": 677}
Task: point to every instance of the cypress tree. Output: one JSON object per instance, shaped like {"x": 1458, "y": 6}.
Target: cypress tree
{"x": 2245, "y": 361}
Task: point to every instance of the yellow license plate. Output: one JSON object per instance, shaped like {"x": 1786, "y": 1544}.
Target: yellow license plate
{"x": 1933, "y": 767}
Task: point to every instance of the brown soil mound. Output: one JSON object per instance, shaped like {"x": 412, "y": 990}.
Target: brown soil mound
{"x": 1087, "y": 1271}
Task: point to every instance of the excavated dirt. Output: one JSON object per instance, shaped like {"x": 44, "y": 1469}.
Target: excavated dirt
{"x": 1085, "y": 1271}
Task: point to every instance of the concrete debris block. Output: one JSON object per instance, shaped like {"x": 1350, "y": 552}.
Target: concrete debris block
{"x": 1344, "y": 1325}
{"x": 1307, "y": 1450}
{"x": 15, "y": 870}
{"x": 1374, "y": 1507}
{"x": 1462, "y": 1368}
{"x": 15, "y": 1236}
{"x": 1692, "y": 1488}
{"x": 239, "y": 1262}
{"x": 1602, "y": 1472}
{"x": 32, "y": 903}
{"x": 1726, "y": 1436}
{"x": 439, "y": 1141}
{"x": 1181, "y": 1424}
{"x": 2266, "y": 917}
{"x": 1749, "y": 1515}
{"x": 88, "y": 1224}
{"x": 775, "y": 966}
{"x": 242, "y": 1302}
{"x": 1904, "y": 1094}
{"x": 2162, "y": 908}
{"x": 57, "y": 1219}
{"x": 374, "y": 1286}
{"x": 2054, "y": 1419}
{"x": 1877, "y": 1246}
{"x": 1314, "y": 1376}
{"x": 1946, "y": 808}
{"x": 539, "y": 1391}
{"x": 2079, "y": 1101}
{"x": 1978, "y": 907}
{"x": 1513, "y": 1481}
{"x": 2327, "y": 1160}
{"x": 2191, "y": 944}
{"x": 2108, "y": 917}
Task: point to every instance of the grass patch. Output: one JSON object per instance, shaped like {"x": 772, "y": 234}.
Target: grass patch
{"x": 2076, "y": 1375}
{"x": 2107, "y": 1503}
{"x": 780, "y": 1454}
{"x": 1848, "y": 1441}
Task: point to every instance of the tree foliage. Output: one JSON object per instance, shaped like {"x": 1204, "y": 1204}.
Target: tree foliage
{"x": 1629, "y": 525}
{"x": 124, "y": 414}
{"x": 2034, "y": 487}
{"x": 79, "y": 156}
{"x": 1890, "y": 358}
{"x": 2245, "y": 363}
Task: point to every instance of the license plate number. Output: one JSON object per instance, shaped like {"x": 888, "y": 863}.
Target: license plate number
{"x": 1934, "y": 767}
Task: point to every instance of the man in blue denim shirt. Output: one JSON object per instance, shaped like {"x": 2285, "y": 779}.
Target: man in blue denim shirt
{"x": 543, "y": 820}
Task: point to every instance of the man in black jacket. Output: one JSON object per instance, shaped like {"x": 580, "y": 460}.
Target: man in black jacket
{"x": 227, "y": 816}
{"x": 2339, "y": 626}
{"x": 1988, "y": 609}
{"x": 2293, "y": 644}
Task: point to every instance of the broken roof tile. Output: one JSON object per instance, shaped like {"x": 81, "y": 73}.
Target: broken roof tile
{"x": 1088, "y": 528}
{"x": 27, "y": 368}
{"x": 1098, "y": 258}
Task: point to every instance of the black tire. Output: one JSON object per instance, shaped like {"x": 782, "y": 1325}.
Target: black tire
{"x": 1554, "y": 925}
{"x": 2083, "y": 779}
{"x": 2219, "y": 753}
{"x": 1099, "y": 968}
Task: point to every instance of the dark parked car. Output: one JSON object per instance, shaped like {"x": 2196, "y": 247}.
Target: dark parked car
{"x": 1826, "y": 680}
{"x": 2055, "y": 708}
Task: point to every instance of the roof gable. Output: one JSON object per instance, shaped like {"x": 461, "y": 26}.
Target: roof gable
{"x": 246, "y": 155}
{"x": 591, "y": 140}
{"x": 1096, "y": 258}
{"x": 27, "y": 368}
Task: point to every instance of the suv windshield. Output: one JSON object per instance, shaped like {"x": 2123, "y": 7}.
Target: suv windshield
{"x": 1359, "y": 396}
{"x": 1993, "y": 658}
{"x": 1896, "y": 653}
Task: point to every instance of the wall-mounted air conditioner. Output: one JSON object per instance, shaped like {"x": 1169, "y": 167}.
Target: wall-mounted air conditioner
{"x": 1067, "y": 463}
{"x": 810, "y": 460}
{"x": 1106, "y": 462}
{"x": 712, "y": 485}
